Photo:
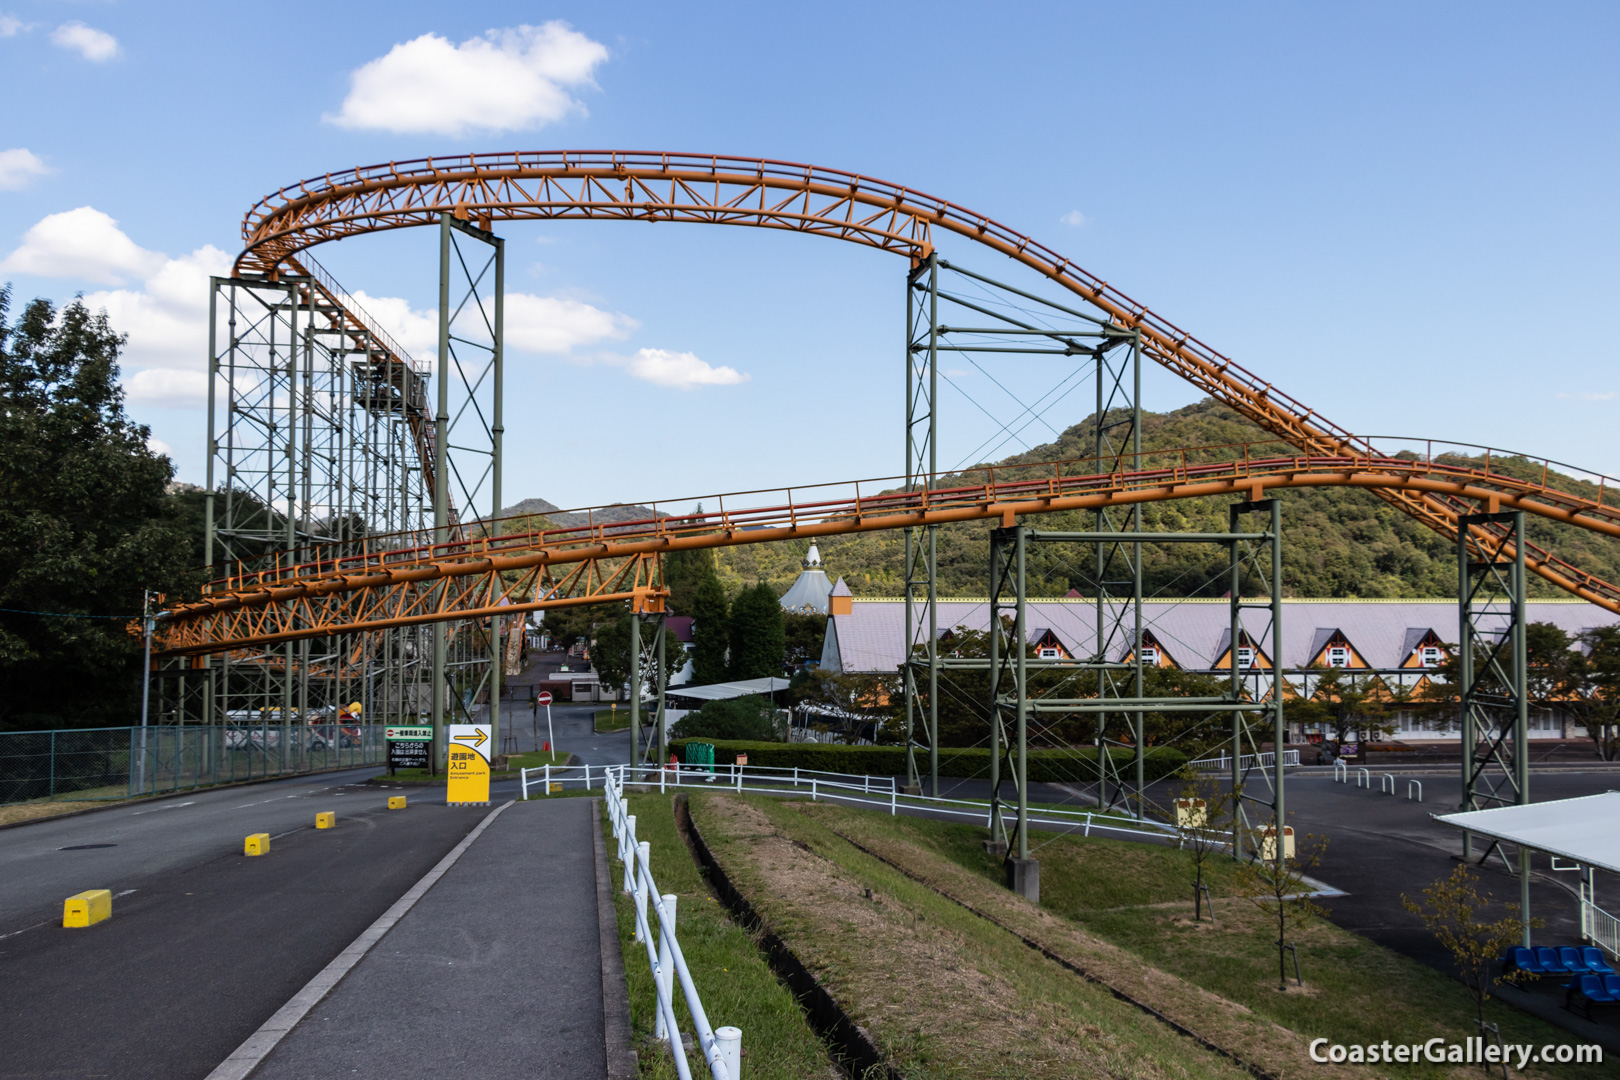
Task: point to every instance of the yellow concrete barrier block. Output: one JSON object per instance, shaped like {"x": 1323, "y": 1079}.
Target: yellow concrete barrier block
{"x": 556, "y": 786}
{"x": 87, "y": 908}
{"x": 257, "y": 844}
{"x": 396, "y": 802}
{"x": 325, "y": 820}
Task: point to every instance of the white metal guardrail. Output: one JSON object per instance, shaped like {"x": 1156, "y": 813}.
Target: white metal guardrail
{"x": 1246, "y": 762}
{"x": 875, "y": 791}
{"x": 1600, "y": 927}
{"x": 722, "y": 1048}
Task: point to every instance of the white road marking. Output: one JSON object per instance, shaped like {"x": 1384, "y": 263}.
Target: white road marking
{"x": 126, "y": 892}
{"x": 170, "y": 806}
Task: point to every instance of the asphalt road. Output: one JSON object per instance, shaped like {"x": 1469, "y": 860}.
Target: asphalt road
{"x": 205, "y": 943}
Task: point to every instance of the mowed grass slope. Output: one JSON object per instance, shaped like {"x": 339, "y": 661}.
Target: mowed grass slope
{"x": 1124, "y": 912}
{"x": 943, "y": 994}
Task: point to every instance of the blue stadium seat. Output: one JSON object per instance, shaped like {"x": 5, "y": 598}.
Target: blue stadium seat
{"x": 1595, "y": 962}
{"x": 1520, "y": 958}
{"x": 1547, "y": 957}
{"x": 1589, "y": 990}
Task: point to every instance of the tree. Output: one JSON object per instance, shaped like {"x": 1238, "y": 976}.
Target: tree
{"x": 711, "y": 630}
{"x": 1203, "y": 817}
{"x": 1278, "y": 887}
{"x": 684, "y": 573}
{"x": 758, "y": 636}
{"x": 752, "y": 718}
{"x": 1347, "y": 703}
{"x": 611, "y": 654}
{"x": 1452, "y": 910}
{"x": 1597, "y": 704}
{"x": 861, "y": 704}
{"x": 805, "y": 633}
{"x": 86, "y": 523}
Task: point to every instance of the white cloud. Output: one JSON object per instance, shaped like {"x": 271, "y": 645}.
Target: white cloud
{"x": 1073, "y": 217}
{"x": 92, "y": 44}
{"x": 11, "y": 26}
{"x": 82, "y": 243}
{"x": 507, "y": 80}
{"x": 18, "y": 167}
{"x": 547, "y": 324}
{"x": 164, "y": 386}
{"x": 159, "y": 447}
{"x": 680, "y": 370}
{"x": 416, "y": 331}
{"x": 167, "y": 319}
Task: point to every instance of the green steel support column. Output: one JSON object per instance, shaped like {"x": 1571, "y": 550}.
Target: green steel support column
{"x": 1465, "y": 679}
{"x": 998, "y": 832}
{"x": 1235, "y": 690}
{"x": 1136, "y": 581}
{"x": 933, "y": 530}
{"x": 497, "y": 654}
{"x": 1020, "y": 669}
{"x": 661, "y": 681}
{"x": 1279, "y": 725}
{"x": 441, "y": 479}
{"x": 907, "y": 675}
{"x": 635, "y": 688}
{"x": 1521, "y": 715}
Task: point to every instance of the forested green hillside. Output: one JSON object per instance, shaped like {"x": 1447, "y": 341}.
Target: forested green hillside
{"x": 1338, "y": 542}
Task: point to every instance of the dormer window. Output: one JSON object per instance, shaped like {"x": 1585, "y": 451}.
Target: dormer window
{"x": 1245, "y": 656}
{"x": 1047, "y": 652}
{"x": 1338, "y": 656}
{"x": 1430, "y": 656}
{"x": 1150, "y": 656}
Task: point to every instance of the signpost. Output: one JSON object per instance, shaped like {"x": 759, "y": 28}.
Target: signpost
{"x": 468, "y": 765}
{"x": 545, "y": 699}
{"x": 409, "y": 747}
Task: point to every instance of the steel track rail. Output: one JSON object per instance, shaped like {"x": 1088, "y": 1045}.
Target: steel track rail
{"x": 531, "y": 570}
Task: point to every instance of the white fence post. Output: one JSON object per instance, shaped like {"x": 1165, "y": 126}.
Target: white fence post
{"x": 728, "y": 1040}
{"x": 666, "y": 961}
{"x": 643, "y": 855}
{"x": 523, "y": 779}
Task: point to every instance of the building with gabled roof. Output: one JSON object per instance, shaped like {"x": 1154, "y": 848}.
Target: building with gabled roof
{"x": 1400, "y": 642}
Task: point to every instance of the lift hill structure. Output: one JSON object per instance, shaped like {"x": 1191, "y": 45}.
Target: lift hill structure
{"x": 355, "y": 557}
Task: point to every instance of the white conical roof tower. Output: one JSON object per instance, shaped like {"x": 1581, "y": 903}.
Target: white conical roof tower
{"x": 809, "y": 592}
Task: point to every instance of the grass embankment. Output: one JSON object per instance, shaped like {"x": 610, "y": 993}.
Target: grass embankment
{"x": 44, "y": 808}
{"x": 941, "y": 993}
{"x": 605, "y": 720}
{"x": 1123, "y": 912}
{"x": 732, "y": 978}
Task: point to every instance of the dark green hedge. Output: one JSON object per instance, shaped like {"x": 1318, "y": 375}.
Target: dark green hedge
{"x": 1046, "y": 766}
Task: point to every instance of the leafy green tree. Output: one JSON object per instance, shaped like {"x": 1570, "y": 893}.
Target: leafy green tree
{"x": 86, "y": 523}
{"x": 1454, "y": 912}
{"x": 610, "y": 655}
{"x": 1281, "y": 889}
{"x": 1597, "y": 705}
{"x": 684, "y": 573}
{"x": 711, "y": 632}
{"x": 805, "y": 633}
{"x": 758, "y": 635}
{"x": 751, "y": 718}
{"x": 1346, "y": 702}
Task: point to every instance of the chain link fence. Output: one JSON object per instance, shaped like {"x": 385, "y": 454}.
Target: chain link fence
{"x": 88, "y": 764}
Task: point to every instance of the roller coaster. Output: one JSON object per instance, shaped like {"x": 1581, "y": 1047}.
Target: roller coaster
{"x": 328, "y": 454}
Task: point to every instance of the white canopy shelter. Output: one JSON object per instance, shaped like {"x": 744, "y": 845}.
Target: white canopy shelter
{"x": 1585, "y": 831}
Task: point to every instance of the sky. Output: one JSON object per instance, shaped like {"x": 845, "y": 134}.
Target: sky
{"x": 1394, "y": 212}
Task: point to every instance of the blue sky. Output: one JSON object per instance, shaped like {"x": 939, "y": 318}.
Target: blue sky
{"x": 1403, "y": 215}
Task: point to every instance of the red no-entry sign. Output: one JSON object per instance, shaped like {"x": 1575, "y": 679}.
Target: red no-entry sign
{"x": 544, "y": 697}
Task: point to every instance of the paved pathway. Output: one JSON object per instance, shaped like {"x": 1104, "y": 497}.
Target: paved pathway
{"x": 496, "y": 972}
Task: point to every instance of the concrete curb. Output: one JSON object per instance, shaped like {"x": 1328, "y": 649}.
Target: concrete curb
{"x": 247, "y": 1057}
{"x": 621, "y": 1059}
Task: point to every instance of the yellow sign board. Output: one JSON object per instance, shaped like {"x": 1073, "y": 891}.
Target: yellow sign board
{"x": 468, "y": 757}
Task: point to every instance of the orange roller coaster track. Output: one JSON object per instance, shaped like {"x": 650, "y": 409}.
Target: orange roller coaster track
{"x": 406, "y": 578}
{"x": 713, "y": 189}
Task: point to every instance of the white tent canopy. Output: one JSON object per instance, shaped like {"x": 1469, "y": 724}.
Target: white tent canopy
{"x": 723, "y": 691}
{"x": 1584, "y": 830}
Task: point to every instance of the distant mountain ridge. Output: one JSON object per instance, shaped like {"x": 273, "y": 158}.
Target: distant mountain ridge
{"x": 610, "y": 515}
